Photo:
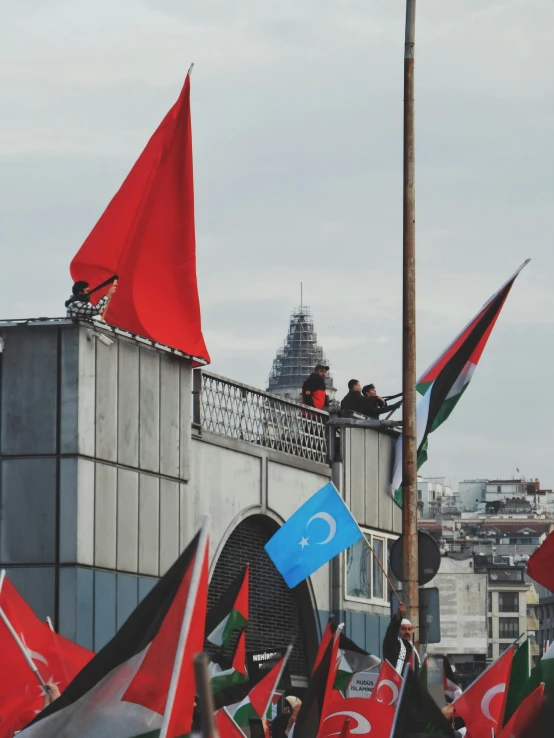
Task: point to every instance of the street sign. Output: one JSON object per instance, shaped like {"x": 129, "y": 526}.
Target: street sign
{"x": 429, "y": 558}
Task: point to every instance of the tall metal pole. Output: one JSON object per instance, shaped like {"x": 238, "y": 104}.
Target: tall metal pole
{"x": 410, "y": 591}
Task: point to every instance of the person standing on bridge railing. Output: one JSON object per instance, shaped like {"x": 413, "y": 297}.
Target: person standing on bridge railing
{"x": 313, "y": 389}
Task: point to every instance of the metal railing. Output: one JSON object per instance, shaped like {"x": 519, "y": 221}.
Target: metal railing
{"x": 238, "y": 411}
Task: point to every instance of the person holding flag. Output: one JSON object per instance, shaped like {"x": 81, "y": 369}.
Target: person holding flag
{"x": 397, "y": 644}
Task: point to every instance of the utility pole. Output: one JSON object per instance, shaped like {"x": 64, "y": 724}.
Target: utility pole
{"x": 410, "y": 592}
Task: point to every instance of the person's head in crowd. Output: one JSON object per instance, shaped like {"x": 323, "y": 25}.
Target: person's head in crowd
{"x": 354, "y": 384}
{"x": 406, "y": 630}
{"x": 321, "y": 369}
{"x": 369, "y": 390}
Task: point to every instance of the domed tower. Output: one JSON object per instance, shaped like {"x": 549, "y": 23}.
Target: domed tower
{"x": 296, "y": 360}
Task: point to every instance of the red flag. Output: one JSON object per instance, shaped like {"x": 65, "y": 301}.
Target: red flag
{"x": 146, "y": 236}
{"x": 387, "y": 687}
{"x": 226, "y": 726}
{"x": 57, "y": 659}
{"x": 524, "y": 715}
{"x": 325, "y": 641}
{"x": 366, "y": 716}
{"x": 482, "y": 704}
{"x": 151, "y": 684}
{"x": 539, "y": 566}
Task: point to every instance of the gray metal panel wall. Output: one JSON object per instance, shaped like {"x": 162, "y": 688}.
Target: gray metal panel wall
{"x": 149, "y": 410}
{"x": 128, "y": 404}
{"x": 29, "y": 391}
{"x": 28, "y": 511}
{"x": 169, "y": 415}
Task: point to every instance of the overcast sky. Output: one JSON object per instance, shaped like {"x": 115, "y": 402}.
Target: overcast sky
{"x": 297, "y": 124}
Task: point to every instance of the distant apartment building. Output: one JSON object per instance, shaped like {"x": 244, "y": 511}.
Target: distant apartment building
{"x": 433, "y": 494}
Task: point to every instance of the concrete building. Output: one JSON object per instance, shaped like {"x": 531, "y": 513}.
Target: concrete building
{"x": 507, "y": 606}
{"x": 433, "y": 494}
{"x": 471, "y": 494}
{"x": 463, "y": 615}
{"x": 296, "y": 359}
{"x": 111, "y": 450}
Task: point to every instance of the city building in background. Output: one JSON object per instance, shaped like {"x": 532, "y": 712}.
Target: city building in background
{"x": 296, "y": 359}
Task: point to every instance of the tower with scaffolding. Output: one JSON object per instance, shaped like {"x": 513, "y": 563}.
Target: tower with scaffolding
{"x": 297, "y": 358}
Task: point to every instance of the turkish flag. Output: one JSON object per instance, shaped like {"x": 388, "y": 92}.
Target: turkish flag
{"x": 482, "y": 704}
{"x": 366, "y": 717}
{"x": 146, "y": 236}
{"x": 522, "y": 718}
{"x": 57, "y": 659}
{"x": 387, "y": 687}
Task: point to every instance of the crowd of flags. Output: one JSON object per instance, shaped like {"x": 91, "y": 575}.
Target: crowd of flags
{"x": 142, "y": 683}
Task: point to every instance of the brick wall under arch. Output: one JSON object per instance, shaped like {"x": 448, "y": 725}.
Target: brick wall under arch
{"x": 278, "y": 615}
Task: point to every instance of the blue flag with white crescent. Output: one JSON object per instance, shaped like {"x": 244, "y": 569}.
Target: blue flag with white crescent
{"x": 318, "y": 531}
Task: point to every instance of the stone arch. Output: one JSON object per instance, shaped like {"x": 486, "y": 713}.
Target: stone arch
{"x": 278, "y": 615}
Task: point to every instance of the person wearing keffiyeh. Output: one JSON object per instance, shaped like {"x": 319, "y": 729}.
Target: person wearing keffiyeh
{"x": 79, "y": 305}
{"x": 397, "y": 644}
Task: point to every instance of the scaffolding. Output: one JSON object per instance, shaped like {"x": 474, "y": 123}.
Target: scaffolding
{"x": 298, "y": 356}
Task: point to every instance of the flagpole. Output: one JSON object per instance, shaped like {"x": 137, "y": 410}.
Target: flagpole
{"x": 410, "y": 592}
{"x": 205, "y": 699}
{"x": 25, "y": 653}
{"x": 201, "y": 552}
{"x": 383, "y": 570}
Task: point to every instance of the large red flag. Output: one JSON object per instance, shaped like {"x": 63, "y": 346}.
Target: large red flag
{"x": 366, "y": 716}
{"x": 387, "y": 687}
{"x": 226, "y": 726}
{"x": 524, "y": 715}
{"x": 146, "y": 236}
{"x": 482, "y": 704}
{"x": 57, "y": 659}
{"x": 540, "y": 566}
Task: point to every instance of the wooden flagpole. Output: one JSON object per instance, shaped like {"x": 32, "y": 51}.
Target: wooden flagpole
{"x": 378, "y": 560}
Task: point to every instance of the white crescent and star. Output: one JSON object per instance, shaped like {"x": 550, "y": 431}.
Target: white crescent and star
{"x": 487, "y": 699}
{"x": 393, "y": 688}
{"x": 331, "y": 522}
{"x": 363, "y": 726}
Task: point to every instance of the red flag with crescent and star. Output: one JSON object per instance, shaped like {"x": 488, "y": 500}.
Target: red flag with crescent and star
{"x": 387, "y": 687}
{"x": 57, "y": 659}
{"x": 367, "y": 717}
{"x": 482, "y": 704}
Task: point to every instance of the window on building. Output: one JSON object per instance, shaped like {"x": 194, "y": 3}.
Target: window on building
{"x": 397, "y": 584}
{"x": 378, "y": 578}
{"x": 502, "y": 647}
{"x": 490, "y": 602}
{"x": 364, "y": 577}
{"x": 489, "y": 651}
{"x": 508, "y": 601}
{"x": 490, "y": 627}
{"x": 498, "y": 489}
{"x": 508, "y": 628}
{"x": 420, "y": 494}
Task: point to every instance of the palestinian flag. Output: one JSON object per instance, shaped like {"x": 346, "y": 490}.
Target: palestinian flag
{"x": 230, "y": 612}
{"x": 309, "y": 717}
{"x": 519, "y": 676}
{"x": 452, "y": 689}
{"x": 236, "y": 674}
{"x": 259, "y": 698}
{"x": 226, "y": 726}
{"x": 446, "y": 380}
{"x": 146, "y": 671}
{"x": 417, "y": 712}
{"x": 351, "y": 660}
{"x": 543, "y": 672}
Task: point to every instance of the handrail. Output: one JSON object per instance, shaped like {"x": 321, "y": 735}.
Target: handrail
{"x": 239, "y": 411}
